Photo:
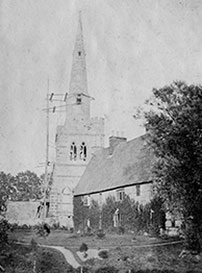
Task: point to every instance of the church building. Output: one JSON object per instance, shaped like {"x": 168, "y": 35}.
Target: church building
{"x": 76, "y": 141}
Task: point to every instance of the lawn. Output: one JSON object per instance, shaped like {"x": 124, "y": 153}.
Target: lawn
{"x": 23, "y": 259}
{"x": 125, "y": 252}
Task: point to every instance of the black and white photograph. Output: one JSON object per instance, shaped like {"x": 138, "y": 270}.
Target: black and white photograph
{"x": 101, "y": 136}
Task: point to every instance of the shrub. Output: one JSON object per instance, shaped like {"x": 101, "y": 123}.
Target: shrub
{"x": 42, "y": 230}
{"x": 83, "y": 247}
{"x": 121, "y": 230}
{"x": 100, "y": 234}
{"x": 33, "y": 244}
{"x": 25, "y": 227}
{"x": 71, "y": 230}
{"x": 88, "y": 232}
{"x": 103, "y": 254}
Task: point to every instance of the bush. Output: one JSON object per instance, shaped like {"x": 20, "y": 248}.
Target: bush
{"x": 121, "y": 230}
{"x": 26, "y": 227}
{"x": 103, "y": 254}
{"x": 42, "y": 230}
{"x": 100, "y": 234}
{"x": 89, "y": 232}
{"x": 71, "y": 230}
{"x": 83, "y": 247}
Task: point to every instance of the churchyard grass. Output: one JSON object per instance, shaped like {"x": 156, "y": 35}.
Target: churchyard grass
{"x": 23, "y": 259}
{"x": 125, "y": 252}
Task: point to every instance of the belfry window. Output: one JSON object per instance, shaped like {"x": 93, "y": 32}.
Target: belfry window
{"x": 83, "y": 151}
{"x": 78, "y": 99}
{"x": 79, "y": 53}
{"x": 73, "y": 151}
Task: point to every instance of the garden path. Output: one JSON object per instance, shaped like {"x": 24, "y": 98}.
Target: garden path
{"x": 67, "y": 254}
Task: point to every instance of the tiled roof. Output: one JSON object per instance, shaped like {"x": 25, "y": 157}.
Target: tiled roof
{"x": 129, "y": 164}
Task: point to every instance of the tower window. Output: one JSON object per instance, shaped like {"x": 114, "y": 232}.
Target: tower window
{"x": 73, "y": 151}
{"x": 79, "y": 53}
{"x": 78, "y": 99}
{"x": 83, "y": 151}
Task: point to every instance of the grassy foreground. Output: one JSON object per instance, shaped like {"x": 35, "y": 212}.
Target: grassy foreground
{"x": 24, "y": 259}
{"x": 125, "y": 254}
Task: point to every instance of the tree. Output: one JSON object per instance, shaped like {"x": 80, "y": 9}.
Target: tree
{"x": 174, "y": 128}
{"x": 28, "y": 186}
{"x": 7, "y": 189}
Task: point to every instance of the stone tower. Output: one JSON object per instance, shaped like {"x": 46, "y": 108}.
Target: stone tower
{"x": 76, "y": 140}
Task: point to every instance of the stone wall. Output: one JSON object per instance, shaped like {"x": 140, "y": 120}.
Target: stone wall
{"x": 22, "y": 213}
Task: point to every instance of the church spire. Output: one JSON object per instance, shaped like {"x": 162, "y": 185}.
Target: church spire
{"x": 78, "y": 102}
{"x": 78, "y": 80}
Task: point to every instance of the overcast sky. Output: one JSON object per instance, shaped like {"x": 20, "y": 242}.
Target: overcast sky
{"x": 131, "y": 47}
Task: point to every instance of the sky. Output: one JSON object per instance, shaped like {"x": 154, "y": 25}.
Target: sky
{"x": 131, "y": 47}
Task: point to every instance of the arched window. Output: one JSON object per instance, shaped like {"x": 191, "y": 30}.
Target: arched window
{"x": 83, "y": 151}
{"x": 73, "y": 151}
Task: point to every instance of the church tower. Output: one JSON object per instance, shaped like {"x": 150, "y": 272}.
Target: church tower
{"x": 76, "y": 140}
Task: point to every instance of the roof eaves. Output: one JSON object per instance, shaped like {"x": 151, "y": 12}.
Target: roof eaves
{"x": 113, "y": 188}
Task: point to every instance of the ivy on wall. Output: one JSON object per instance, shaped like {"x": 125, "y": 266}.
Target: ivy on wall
{"x": 132, "y": 215}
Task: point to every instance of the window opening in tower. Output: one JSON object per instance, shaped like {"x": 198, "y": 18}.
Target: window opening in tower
{"x": 83, "y": 151}
{"x": 73, "y": 151}
{"x": 78, "y": 99}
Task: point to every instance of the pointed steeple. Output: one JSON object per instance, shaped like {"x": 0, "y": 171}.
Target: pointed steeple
{"x": 78, "y": 81}
{"x": 78, "y": 102}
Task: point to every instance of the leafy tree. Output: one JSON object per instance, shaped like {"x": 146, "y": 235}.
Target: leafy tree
{"x": 28, "y": 185}
{"x": 24, "y": 186}
{"x": 174, "y": 127}
{"x": 7, "y": 190}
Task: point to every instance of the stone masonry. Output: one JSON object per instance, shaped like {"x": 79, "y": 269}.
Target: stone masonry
{"x": 76, "y": 140}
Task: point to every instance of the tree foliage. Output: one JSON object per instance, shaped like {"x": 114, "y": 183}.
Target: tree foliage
{"x": 7, "y": 190}
{"x": 24, "y": 186}
{"x": 174, "y": 128}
